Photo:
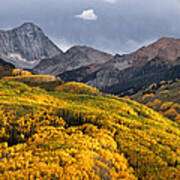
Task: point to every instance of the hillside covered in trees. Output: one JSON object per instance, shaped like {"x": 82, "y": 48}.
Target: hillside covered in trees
{"x": 163, "y": 97}
{"x": 77, "y": 132}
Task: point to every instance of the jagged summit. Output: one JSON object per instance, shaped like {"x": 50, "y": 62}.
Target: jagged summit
{"x": 29, "y": 26}
{"x": 26, "y": 45}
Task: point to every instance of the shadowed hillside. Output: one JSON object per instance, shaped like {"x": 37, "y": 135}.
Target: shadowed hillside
{"x": 5, "y": 68}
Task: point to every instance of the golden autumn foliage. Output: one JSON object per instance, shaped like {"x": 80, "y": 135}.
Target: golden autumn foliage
{"x": 154, "y": 104}
{"x": 47, "y": 82}
{"x": 31, "y": 78}
{"x": 165, "y": 99}
{"x": 164, "y": 92}
{"x": 166, "y": 105}
{"x": 62, "y": 135}
{"x": 162, "y": 82}
{"x": 177, "y": 118}
{"x": 77, "y": 88}
{"x": 20, "y": 72}
{"x": 152, "y": 86}
{"x": 148, "y": 96}
{"x": 171, "y": 113}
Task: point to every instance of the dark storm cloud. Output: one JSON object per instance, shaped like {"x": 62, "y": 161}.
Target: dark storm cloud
{"x": 120, "y": 27}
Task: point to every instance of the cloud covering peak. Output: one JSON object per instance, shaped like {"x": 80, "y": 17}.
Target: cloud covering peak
{"x": 87, "y": 15}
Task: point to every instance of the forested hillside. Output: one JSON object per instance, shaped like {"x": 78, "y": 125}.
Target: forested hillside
{"x": 163, "y": 97}
{"x": 76, "y": 132}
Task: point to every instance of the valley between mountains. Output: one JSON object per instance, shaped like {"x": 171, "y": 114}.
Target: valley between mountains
{"x": 86, "y": 114}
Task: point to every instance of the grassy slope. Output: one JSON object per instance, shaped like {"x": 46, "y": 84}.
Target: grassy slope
{"x": 164, "y": 97}
{"x": 61, "y": 135}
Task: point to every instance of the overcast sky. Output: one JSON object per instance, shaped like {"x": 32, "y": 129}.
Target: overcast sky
{"x": 117, "y": 26}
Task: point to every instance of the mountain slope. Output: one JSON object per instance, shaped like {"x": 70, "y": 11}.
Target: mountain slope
{"x": 130, "y": 72}
{"x": 82, "y": 74}
{"x": 26, "y": 45}
{"x": 71, "y": 133}
{"x": 163, "y": 97}
{"x": 131, "y": 80}
{"x": 74, "y": 58}
{"x": 165, "y": 48}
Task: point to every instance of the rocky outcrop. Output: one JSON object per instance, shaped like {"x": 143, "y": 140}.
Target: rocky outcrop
{"x": 108, "y": 74}
{"x": 26, "y": 45}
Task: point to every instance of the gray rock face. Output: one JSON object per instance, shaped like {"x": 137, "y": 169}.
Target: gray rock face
{"x": 83, "y": 55}
{"x": 74, "y": 58}
{"x": 108, "y": 74}
{"x": 151, "y": 64}
{"x": 51, "y": 66}
{"x": 26, "y": 45}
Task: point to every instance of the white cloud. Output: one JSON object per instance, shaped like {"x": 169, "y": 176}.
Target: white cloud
{"x": 110, "y": 1}
{"x": 87, "y": 15}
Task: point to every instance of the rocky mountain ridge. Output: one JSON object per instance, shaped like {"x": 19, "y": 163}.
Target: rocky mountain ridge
{"x": 158, "y": 61}
{"x": 74, "y": 58}
{"x": 165, "y": 48}
{"x": 26, "y": 45}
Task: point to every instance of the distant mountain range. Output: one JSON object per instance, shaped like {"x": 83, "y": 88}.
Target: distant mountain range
{"x": 126, "y": 74}
{"x": 28, "y": 47}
